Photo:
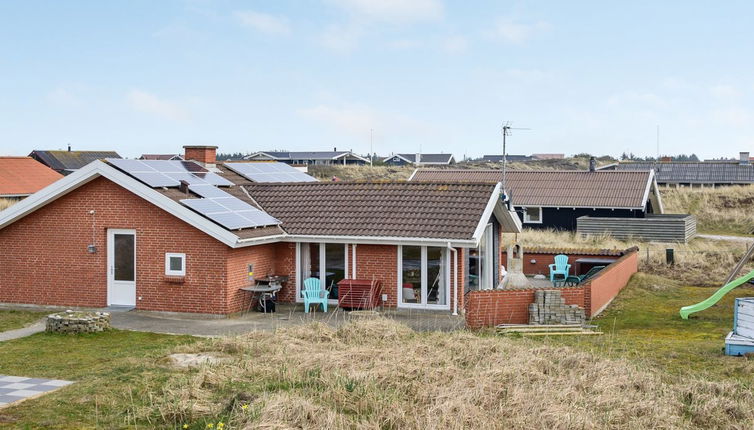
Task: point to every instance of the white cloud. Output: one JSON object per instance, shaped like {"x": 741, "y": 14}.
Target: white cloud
{"x": 724, "y": 92}
{"x": 342, "y": 39}
{"x": 517, "y": 32}
{"x": 145, "y": 102}
{"x": 65, "y": 97}
{"x": 455, "y": 45}
{"x": 264, "y": 23}
{"x": 734, "y": 116}
{"x": 638, "y": 99}
{"x": 357, "y": 119}
{"x": 405, "y": 44}
{"x": 395, "y": 11}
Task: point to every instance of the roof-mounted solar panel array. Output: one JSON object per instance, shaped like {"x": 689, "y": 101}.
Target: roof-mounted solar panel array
{"x": 269, "y": 172}
{"x": 168, "y": 173}
{"x": 215, "y": 204}
{"x": 230, "y": 212}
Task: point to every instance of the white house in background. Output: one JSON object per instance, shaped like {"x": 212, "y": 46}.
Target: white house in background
{"x": 420, "y": 159}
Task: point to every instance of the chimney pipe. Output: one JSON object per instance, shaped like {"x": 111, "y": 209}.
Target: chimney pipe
{"x": 69, "y": 147}
{"x": 334, "y": 149}
{"x": 743, "y": 158}
{"x": 592, "y": 164}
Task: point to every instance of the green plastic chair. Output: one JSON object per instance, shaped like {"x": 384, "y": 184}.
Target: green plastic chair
{"x": 314, "y": 294}
{"x": 561, "y": 267}
{"x": 575, "y": 280}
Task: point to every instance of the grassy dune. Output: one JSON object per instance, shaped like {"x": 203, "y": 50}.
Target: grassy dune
{"x": 650, "y": 370}
{"x": 724, "y": 210}
{"x": 379, "y": 374}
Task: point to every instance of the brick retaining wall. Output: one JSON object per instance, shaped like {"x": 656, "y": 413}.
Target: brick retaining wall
{"x": 485, "y": 308}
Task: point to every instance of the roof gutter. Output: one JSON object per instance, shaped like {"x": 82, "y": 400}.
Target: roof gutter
{"x": 386, "y": 240}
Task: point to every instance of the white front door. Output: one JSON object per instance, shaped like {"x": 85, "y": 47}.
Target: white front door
{"x": 121, "y": 267}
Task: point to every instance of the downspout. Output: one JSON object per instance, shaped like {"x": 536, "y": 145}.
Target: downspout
{"x": 455, "y": 278}
{"x": 353, "y": 262}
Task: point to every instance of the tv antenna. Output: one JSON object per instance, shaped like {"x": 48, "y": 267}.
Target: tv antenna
{"x": 506, "y": 130}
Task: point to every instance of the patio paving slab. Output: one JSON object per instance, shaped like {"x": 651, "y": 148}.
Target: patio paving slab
{"x": 287, "y": 315}
{"x": 18, "y": 388}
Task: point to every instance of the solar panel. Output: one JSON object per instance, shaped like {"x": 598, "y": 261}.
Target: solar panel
{"x": 168, "y": 173}
{"x": 228, "y": 211}
{"x": 269, "y": 172}
{"x": 207, "y": 190}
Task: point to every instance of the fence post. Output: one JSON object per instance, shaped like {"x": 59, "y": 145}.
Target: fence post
{"x": 669, "y": 256}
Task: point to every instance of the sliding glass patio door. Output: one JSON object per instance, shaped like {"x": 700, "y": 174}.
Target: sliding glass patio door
{"x": 423, "y": 273}
{"x": 324, "y": 261}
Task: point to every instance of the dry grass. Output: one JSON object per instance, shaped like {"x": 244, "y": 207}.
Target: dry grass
{"x": 361, "y": 173}
{"x": 724, "y": 210}
{"x": 381, "y": 375}
{"x": 6, "y": 203}
{"x": 700, "y": 262}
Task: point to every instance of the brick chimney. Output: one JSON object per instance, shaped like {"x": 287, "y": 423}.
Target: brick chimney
{"x": 206, "y": 155}
{"x": 666, "y": 159}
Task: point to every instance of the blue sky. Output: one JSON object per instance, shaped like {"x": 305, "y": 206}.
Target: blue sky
{"x": 431, "y": 75}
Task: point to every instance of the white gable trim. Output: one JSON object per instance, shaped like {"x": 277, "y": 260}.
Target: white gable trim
{"x": 350, "y": 154}
{"x": 509, "y": 221}
{"x": 96, "y": 169}
{"x": 386, "y": 159}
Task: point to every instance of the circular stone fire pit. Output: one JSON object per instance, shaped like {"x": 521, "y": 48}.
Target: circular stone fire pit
{"x": 78, "y": 322}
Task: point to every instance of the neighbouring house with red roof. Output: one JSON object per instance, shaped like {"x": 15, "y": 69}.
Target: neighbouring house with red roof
{"x": 184, "y": 236}
{"x": 23, "y": 176}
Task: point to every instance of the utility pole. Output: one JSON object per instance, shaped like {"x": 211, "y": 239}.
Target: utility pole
{"x": 371, "y": 147}
{"x": 658, "y": 142}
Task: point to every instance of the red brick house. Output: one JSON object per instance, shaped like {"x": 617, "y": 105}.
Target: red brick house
{"x": 117, "y": 233}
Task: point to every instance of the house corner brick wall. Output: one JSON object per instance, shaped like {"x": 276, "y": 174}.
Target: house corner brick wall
{"x": 45, "y": 259}
{"x": 487, "y": 308}
{"x": 607, "y": 284}
{"x": 379, "y": 262}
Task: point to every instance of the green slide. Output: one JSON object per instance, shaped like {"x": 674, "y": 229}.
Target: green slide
{"x": 725, "y": 289}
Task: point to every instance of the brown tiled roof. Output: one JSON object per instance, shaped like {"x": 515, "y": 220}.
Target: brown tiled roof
{"x": 574, "y": 188}
{"x": 392, "y": 209}
{"x": 24, "y": 176}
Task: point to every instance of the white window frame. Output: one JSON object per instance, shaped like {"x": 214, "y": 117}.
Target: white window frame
{"x": 168, "y": 256}
{"x": 528, "y": 220}
{"x": 424, "y": 281}
{"x": 322, "y": 263}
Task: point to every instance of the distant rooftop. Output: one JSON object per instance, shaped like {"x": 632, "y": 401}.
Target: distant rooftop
{"x": 66, "y": 162}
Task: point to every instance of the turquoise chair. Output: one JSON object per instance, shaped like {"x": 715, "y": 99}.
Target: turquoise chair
{"x": 561, "y": 267}
{"x": 314, "y": 293}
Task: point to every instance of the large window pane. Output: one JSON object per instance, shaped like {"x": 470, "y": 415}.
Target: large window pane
{"x": 411, "y": 270}
{"x": 335, "y": 267}
{"x": 124, "y": 257}
{"x": 436, "y": 290}
{"x": 474, "y": 263}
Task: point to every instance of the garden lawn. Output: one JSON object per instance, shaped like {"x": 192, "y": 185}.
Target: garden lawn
{"x": 111, "y": 371}
{"x": 643, "y": 324}
{"x": 13, "y": 319}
